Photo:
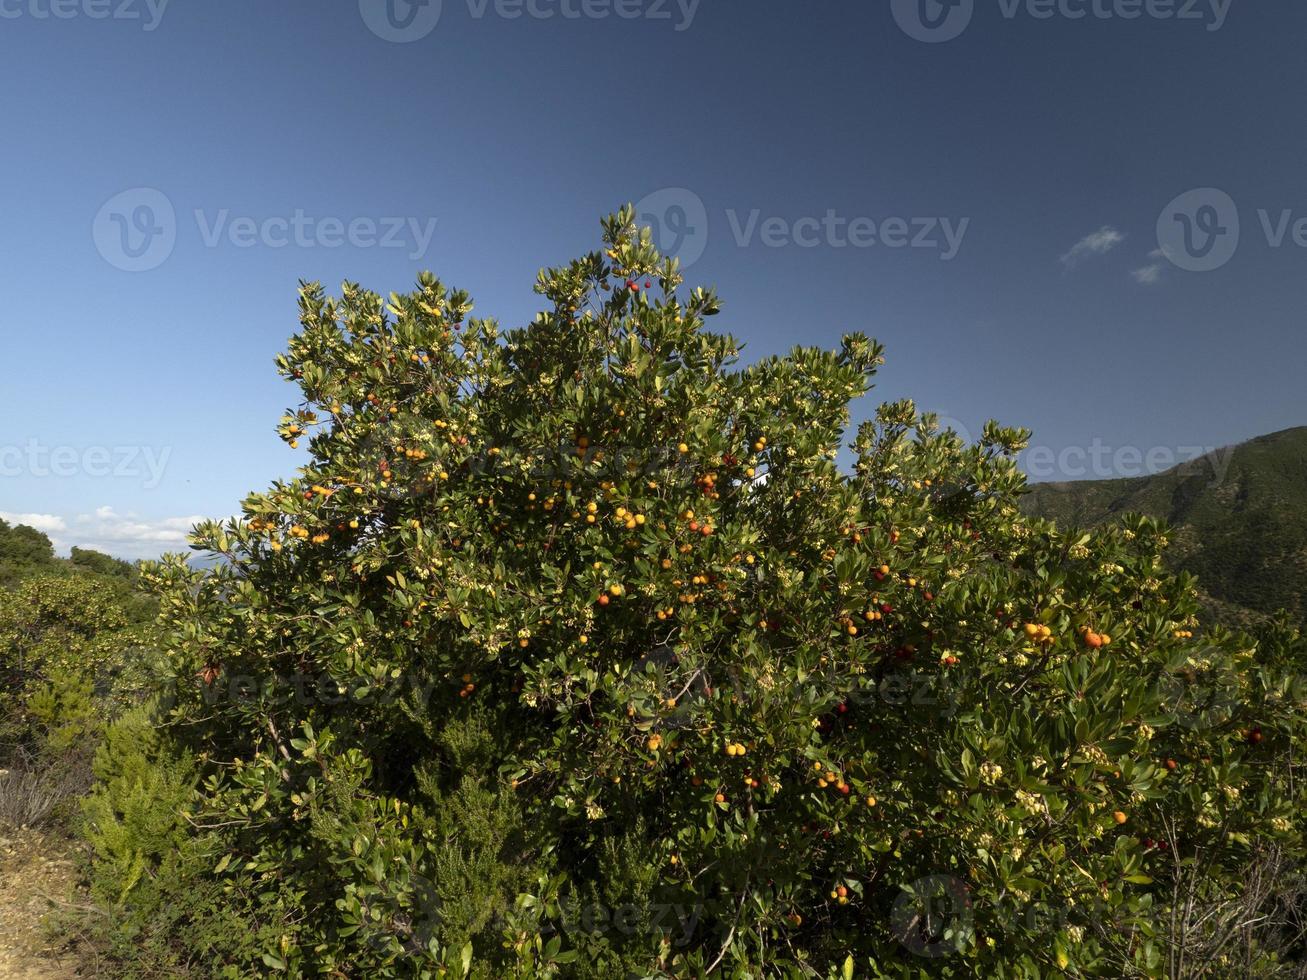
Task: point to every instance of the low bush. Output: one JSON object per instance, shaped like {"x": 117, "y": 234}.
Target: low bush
{"x": 158, "y": 909}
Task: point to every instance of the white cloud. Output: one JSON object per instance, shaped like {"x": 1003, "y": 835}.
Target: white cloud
{"x": 1099, "y": 243}
{"x": 1151, "y": 274}
{"x": 121, "y": 535}
{"x": 47, "y": 523}
{"x": 132, "y": 536}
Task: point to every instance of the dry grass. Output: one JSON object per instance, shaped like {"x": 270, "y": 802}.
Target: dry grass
{"x": 32, "y": 793}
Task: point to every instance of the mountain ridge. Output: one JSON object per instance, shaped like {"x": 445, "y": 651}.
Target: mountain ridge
{"x": 1239, "y": 514}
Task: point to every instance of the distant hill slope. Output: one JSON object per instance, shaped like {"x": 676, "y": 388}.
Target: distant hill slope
{"x": 1240, "y": 517}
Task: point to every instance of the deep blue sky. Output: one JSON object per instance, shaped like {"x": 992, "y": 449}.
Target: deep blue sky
{"x": 516, "y": 135}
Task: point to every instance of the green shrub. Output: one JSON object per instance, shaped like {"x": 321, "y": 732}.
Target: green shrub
{"x": 101, "y": 564}
{"x": 23, "y": 551}
{"x": 61, "y": 631}
{"x": 572, "y": 652}
{"x": 160, "y": 912}
{"x": 134, "y": 818}
{"x": 49, "y": 768}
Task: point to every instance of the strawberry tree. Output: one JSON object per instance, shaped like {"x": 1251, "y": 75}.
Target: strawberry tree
{"x": 578, "y": 650}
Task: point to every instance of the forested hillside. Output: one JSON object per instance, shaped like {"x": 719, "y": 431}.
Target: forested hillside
{"x": 1240, "y": 519}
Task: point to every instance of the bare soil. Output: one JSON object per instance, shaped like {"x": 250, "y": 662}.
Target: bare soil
{"x": 36, "y": 876}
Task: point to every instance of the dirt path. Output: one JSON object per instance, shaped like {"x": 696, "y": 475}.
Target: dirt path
{"x": 31, "y": 867}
